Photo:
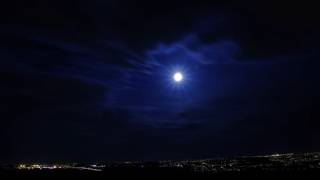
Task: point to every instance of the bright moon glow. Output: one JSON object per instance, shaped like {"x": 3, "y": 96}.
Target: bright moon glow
{"x": 177, "y": 76}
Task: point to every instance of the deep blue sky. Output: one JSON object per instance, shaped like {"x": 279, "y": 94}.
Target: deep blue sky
{"x": 92, "y": 80}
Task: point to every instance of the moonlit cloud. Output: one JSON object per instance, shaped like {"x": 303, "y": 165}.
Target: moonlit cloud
{"x": 192, "y": 50}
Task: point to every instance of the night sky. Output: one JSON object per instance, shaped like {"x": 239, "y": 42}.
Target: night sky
{"x": 92, "y": 80}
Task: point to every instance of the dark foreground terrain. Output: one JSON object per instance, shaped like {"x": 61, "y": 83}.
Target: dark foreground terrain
{"x": 277, "y": 165}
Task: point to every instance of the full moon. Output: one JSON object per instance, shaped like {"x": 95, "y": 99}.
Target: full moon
{"x": 178, "y": 77}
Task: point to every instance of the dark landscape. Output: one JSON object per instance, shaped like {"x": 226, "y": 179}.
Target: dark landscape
{"x": 287, "y": 165}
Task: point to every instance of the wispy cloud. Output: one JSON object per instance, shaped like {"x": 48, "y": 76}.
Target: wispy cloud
{"x": 191, "y": 50}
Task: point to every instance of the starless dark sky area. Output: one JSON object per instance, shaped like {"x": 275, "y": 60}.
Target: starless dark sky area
{"x": 92, "y": 80}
